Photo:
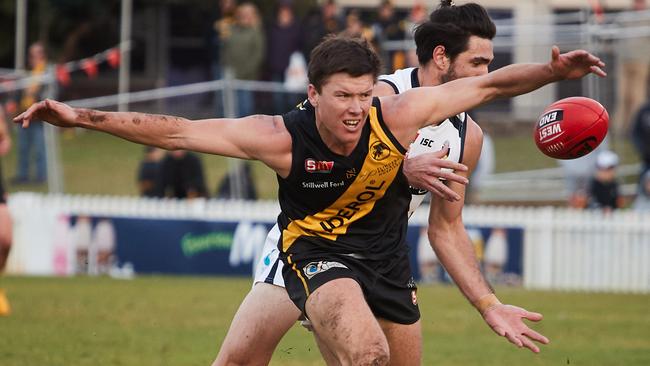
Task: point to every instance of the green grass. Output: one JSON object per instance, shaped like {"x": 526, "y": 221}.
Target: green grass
{"x": 98, "y": 163}
{"x": 182, "y": 320}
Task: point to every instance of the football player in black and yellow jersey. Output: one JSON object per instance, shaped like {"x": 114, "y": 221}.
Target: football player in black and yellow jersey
{"x": 342, "y": 241}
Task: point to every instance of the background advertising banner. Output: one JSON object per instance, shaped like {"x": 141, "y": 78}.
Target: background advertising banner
{"x": 122, "y": 246}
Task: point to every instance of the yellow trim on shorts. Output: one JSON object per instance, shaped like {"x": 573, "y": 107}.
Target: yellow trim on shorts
{"x": 302, "y": 279}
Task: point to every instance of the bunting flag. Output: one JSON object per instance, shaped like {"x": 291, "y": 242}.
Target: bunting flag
{"x": 63, "y": 75}
{"x": 113, "y": 57}
{"x": 89, "y": 66}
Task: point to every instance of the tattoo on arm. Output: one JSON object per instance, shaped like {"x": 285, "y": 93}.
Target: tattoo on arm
{"x": 94, "y": 117}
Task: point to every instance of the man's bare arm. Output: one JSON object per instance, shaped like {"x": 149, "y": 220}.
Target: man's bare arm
{"x": 239, "y": 138}
{"x": 430, "y": 105}
{"x": 456, "y": 253}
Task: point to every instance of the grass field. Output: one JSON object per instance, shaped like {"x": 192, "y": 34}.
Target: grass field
{"x": 182, "y": 320}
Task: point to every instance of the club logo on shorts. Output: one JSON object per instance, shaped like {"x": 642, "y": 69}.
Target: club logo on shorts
{"x": 314, "y": 268}
{"x": 379, "y": 151}
{"x": 414, "y": 297}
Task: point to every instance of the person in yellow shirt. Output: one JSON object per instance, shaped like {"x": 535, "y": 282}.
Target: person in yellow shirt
{"x": 31, "y": 141}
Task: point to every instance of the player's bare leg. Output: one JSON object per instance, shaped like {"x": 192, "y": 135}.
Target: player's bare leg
{"x": 345, "y": 324}
{"x": 264, "y": 316}
{"x": 328, "y": 355}
{"x": 404, "y": 341}
{"x": 5, "y": 246}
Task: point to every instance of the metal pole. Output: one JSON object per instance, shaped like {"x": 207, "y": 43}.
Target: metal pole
{"x": 125, "y": 55}
{"x": 52, "y": 152}
{"x": 229, "y": 104}
{"x": 21, "y": 32}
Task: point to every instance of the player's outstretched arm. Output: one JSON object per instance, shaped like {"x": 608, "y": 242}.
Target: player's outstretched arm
{"x": 228, "y": 137}
{"x": 430, "y": 105}
{"x": 456, "y": 253}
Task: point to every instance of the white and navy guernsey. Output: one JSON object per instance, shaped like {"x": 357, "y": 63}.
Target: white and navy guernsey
{"x": 430, "y": 138}
{"x": 354, "y": 205}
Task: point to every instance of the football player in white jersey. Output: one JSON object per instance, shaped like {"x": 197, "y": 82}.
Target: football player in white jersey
{"x": 456, "y": 42}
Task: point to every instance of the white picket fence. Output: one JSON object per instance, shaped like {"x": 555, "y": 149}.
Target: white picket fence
{"x": 563, "y": 249}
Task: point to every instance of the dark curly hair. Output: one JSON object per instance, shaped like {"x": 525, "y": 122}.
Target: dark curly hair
{"x": 451, "y": 26}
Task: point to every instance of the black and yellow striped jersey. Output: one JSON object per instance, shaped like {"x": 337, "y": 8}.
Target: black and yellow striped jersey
{"x": 354, "y": 204}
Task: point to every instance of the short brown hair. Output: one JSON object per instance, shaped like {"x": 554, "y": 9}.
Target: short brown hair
{"x": 353, "y": 56}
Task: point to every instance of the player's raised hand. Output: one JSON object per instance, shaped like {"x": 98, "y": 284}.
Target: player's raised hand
{"x": 425, "y": 171}
{"x": 51, "y": 111}
{"x": 507, "y": 321}
{"x": 575, "y": 64}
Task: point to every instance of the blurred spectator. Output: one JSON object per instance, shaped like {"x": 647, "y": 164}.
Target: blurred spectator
{"x": 604, "y": 187}
{"x": 296, "y": 78}
{"x": 238, "y": 183}
{"x": 388, "y": 28}
{"x": 5, "y": 218}
{"x": 354, "y": 26}
{"x": 318, "y": 23}
{"x": 149, "y": 173}
{"x": 243, "y": 52}
{"x": 221, "y": 29}
{"x": 484, "y": 168}
{"x": 641, "y": 136}
{"x": 579, "y": 199}
{"x": 181, "y": 174}
{"x": 633, "y": 64}
{"x": 416, "y": 17}
{"x": 31, "y": 140}
{"x": 283, "y": 38}
{"x": 642, "y": 201}
{"x": 577, "y": 174}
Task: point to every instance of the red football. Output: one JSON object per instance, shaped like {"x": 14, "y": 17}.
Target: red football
{"x": 571, "y": 127}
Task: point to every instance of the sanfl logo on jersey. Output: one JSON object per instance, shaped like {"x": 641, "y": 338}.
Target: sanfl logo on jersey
{"x": 318, "y": 166}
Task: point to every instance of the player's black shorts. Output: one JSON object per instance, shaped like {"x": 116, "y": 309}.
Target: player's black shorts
{"x": 387, "y": 285}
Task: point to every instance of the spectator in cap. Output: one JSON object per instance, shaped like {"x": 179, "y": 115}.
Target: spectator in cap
{"x": 604, "y": 187}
